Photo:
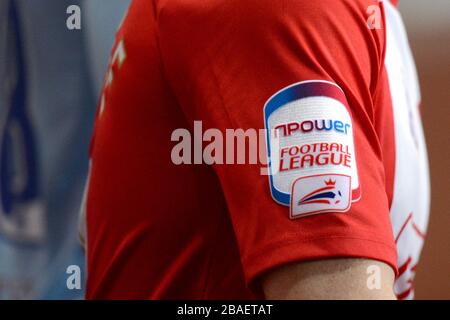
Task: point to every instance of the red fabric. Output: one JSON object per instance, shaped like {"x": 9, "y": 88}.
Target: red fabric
{"x": 157, "y": 230}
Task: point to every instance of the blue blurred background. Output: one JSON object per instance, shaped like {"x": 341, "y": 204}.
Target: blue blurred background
{"x": 50, "y": 78}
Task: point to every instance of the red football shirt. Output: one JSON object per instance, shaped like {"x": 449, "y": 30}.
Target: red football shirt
{"x": 348, "y": 166}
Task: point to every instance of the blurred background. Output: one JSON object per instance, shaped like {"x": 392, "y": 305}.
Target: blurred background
{"x": 50, "y": 79}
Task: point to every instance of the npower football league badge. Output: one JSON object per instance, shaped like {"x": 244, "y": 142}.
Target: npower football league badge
{"x": 311, "y": 152}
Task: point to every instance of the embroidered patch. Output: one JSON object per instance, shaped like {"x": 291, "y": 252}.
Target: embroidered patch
{"x": 310, "y": 149}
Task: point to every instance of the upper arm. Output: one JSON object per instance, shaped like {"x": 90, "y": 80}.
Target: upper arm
{"x": 331, "y": 279}
{"x": 281, "y": 65}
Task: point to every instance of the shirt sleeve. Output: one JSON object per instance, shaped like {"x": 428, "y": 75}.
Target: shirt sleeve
{"x": 306, "y": 72}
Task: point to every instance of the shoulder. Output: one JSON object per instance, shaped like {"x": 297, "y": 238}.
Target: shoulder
{"x": 265, "y": 9}
{"x": 338, "y": 20}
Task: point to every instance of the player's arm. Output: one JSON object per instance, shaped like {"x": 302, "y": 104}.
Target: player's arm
{"x": 293, "y": 63}
{"x": 331, "y": 279}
